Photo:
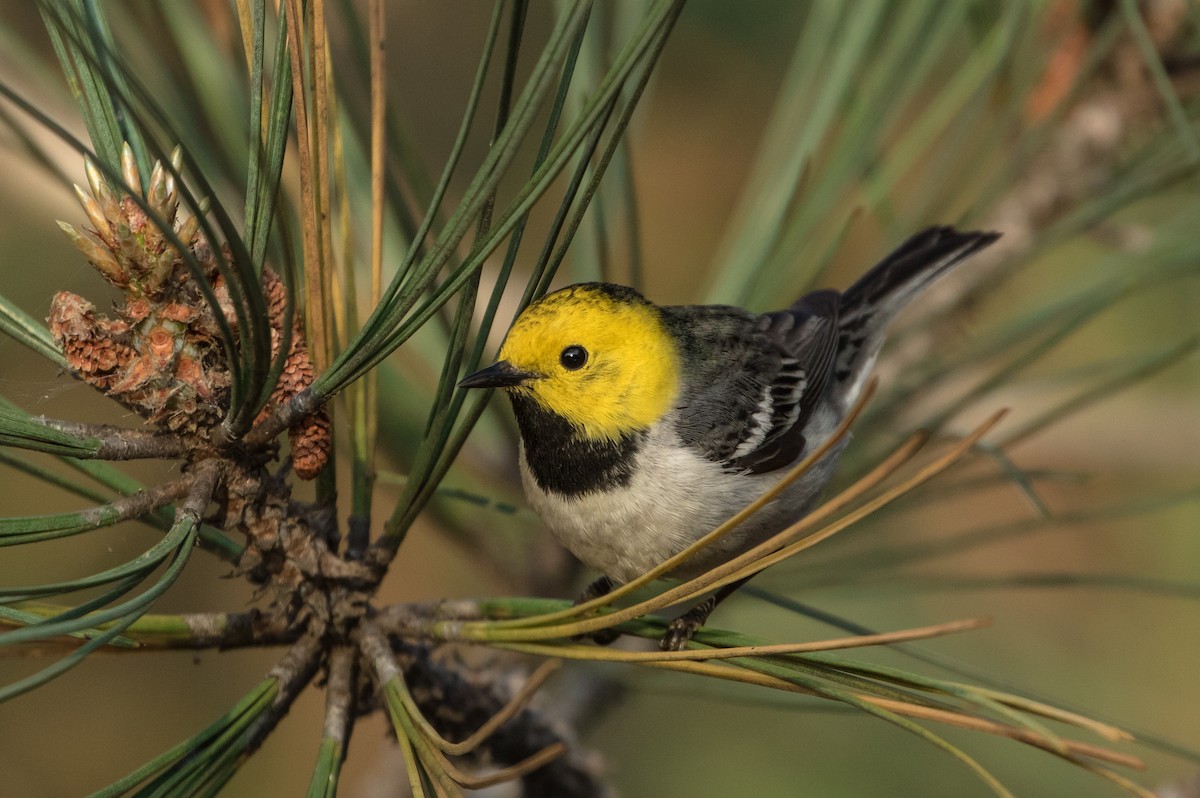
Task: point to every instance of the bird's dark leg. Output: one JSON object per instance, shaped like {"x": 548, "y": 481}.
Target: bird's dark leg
{"x": 682, "y": 628}
{"x": 601, "y": 587}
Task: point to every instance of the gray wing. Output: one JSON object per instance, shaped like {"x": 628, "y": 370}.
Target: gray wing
{"x": 755, "y": 380}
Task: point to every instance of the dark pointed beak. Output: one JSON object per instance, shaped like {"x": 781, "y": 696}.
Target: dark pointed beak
{"x": 497, "y": 375}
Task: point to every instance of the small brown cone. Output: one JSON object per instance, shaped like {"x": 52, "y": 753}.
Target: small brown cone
{"x": 312, "y": 437}
{"x": 312, "y": 441}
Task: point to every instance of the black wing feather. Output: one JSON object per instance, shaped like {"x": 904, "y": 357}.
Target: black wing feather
{"x": 808, "y": 333}
{"x": 755, "y": 380}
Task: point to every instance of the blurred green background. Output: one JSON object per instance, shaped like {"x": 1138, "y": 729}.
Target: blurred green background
{"x": 1126, "y": 654}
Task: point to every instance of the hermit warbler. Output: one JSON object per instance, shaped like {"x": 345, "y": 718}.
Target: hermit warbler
{"x": 644, "y": 427}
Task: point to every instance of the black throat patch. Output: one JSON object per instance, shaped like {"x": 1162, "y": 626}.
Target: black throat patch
{"x": 564, "y": 462}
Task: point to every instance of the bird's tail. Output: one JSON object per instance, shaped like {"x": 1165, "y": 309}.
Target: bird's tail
{"x": 869, "y": 304}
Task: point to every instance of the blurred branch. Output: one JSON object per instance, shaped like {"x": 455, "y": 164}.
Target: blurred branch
{"x": 293, "y": 671}
{"x": 339, "y": 722}
{"x": 462, "y": 706}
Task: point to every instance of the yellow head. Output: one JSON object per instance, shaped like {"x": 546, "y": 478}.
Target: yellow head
{"x": 596, "y": 354}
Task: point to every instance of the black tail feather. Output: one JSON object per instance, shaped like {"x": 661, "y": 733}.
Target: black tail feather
{"x": 915, "y": 264}
{"x": 869, "y": 304}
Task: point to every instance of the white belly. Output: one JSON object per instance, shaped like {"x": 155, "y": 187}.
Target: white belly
{"x": 674, "y": 497}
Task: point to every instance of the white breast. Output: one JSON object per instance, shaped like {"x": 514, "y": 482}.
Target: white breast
{"x": 674, "y": 497}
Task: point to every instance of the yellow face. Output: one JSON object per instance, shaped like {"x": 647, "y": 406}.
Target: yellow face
{"x": 603, "y": 359}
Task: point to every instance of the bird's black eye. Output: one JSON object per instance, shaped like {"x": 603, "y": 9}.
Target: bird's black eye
{"x": 573, "y": 357}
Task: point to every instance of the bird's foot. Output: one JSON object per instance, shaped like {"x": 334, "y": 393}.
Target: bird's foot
{"x": 681, "y": 630}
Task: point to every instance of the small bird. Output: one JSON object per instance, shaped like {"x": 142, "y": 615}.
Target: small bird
{"x": 643, "y": 427}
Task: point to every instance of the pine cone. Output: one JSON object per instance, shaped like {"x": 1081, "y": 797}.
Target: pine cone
{"x": 312, "y": 437}
{"x": 162, "y": 356}
{"x": 312, "y": 442}
{"x": 96, "y": 348}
